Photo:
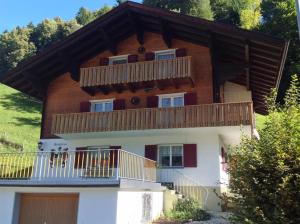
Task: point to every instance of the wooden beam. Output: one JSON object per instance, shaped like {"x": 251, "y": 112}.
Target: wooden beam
{"x": 139, "y": 30}
{"x": 35, "y": 81}
{"x": 247, "y": 61}
{"x": 110, "y": 42}
{"x": 166, "y": 32}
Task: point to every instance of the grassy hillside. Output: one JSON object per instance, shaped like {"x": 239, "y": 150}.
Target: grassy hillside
{"x": 20, "y": 120}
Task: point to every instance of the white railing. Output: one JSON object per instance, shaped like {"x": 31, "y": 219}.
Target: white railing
{"x": 184, "y": 185}
{"x": 78, "y": 166}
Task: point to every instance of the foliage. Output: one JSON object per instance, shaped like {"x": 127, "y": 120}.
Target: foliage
{"x": 243, "y": 13}
{"x": 198, "y": 8}
{"x": 265, "y": 173}
{"x": 186, "y": 209}
{"x": 14, "y": 47}
{"x": 85, "y": 16}
{"x": 23, "y": 42}
{"x": 19, "y": 121}
{"x": 279, "y": 18}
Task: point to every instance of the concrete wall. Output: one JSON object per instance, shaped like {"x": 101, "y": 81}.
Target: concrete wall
{"x": 7, "y": 199}
{"x": 96, "y": 205}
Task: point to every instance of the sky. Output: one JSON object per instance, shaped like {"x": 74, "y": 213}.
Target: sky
{"x": 20, "y": 12}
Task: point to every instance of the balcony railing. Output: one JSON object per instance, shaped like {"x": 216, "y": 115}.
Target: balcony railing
{"x": 178, "y": 68}
{"x": 75, "y": 167}
{"x": 205, "y": 115}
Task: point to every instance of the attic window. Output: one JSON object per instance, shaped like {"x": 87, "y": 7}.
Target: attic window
{"x": 116, "y": 60}
{"x": 165, "y": 54}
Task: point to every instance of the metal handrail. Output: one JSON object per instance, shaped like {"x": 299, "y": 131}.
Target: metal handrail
{"x": 92, "y": 165}
{"x": 185, "y": 185}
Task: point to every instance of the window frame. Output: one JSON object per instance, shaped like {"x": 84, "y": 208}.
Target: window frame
{"x": 172, "y": 96}
{"x": 164, "y": 52}
{"x": 94, "y": 102}
{"x": 170, "y": 156}
{"x": 116, "y": 58}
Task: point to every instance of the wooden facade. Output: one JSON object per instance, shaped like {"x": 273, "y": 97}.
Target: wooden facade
{"x": 205, "y": 115}
{"x": 64, "y": 95}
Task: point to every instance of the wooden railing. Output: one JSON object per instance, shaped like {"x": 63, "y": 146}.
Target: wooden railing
{"x": 136, "y": 72}
{"x": 80, "y": 166}
{"x": 205, "y": 115}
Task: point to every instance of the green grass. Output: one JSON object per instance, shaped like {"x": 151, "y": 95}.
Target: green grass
{"x": 20, "y": 120}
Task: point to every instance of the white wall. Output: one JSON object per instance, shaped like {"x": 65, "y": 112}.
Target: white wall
{"x": 224, "y": 177}
{"x": 130, "y": 206}
{"x": 7, "y": 199}
{"x": 207, "y": 172}
{"x": 97, "y": 206}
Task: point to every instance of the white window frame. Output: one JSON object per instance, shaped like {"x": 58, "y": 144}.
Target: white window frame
{"x": 172, "y": 96}
{"x": 170, "y": 148}
{"x": 93, "y": 102}
{"x": 163, "y": 52}
{"x": 119, "y": 57}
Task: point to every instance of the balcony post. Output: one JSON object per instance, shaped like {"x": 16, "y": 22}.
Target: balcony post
{"x": 118, "y": 164}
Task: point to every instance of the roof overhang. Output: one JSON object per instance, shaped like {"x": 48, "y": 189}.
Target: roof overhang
{"x": 263, "y": 56}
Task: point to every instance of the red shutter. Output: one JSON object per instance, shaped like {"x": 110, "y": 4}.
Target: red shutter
{"x": 104, "y": 61}
{"x": 190, "y": 155}
{"x": 190, "y": 99}
{"x": 181, "y": 52}
{"x": 119, "y": 104}
{"x": 152, "y": 101}
{"x": 85, "y": 106}
{"x": 132, "y": 58}
{"x": 114, "y": 156}
{"x": 80, "y": 158}
{"x": 151, "y": 152}
{"x": 149, "y": 56}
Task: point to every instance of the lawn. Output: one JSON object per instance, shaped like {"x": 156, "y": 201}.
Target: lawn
{"x": 20, "y": 120}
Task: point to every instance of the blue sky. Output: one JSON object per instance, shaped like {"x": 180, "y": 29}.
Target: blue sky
{"x": 21, "y": 12}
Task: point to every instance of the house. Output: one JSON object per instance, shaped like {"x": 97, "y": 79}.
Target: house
{"x": 139, "y": 99}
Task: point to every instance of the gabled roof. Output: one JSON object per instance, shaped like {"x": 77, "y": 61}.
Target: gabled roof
{"x": 263, "y": 55}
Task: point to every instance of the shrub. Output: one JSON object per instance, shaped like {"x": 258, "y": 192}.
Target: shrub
{"x": 265, "y": 172}
{"x": 186, "y": 209}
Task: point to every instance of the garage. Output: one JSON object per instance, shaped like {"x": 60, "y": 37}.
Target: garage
{"x": 48, "y": 208}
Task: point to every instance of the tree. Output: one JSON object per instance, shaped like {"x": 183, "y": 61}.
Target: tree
{"x": 279, "y": 18}
{"x": 84, "y": 16}
{"x": 14, "y": 47}
{"x": 265, "y": 173}
{"x": 199, "y": 8}
{"x": 243, "y": 13}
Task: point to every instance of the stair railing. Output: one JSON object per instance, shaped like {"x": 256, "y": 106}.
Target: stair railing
{"x": 184, "y": 185}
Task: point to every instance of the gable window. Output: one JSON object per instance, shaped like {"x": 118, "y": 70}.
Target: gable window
{"x": 171, "y": 100}
{"x": 116, "y": 60}
{"x": 102, "y": 105}
{"x": 170, "y": 155}
{"x": 165, "y": 54}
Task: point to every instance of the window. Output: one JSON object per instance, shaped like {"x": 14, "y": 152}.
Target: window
{"x": 102, "y": 106}
{"x": 166, "y": 54}
{"x": 123, "y": 59}
{"x": 171, "y": 100}
{"x": 170, "y": 155}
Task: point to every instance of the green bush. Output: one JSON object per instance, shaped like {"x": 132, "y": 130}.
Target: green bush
{"x": 186, "y": 209}
{"x": 265, "y": 172}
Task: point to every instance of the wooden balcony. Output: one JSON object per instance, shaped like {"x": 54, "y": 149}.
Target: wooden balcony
{"x": 137, "y": 75}
{"x": 205, "y": 115}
